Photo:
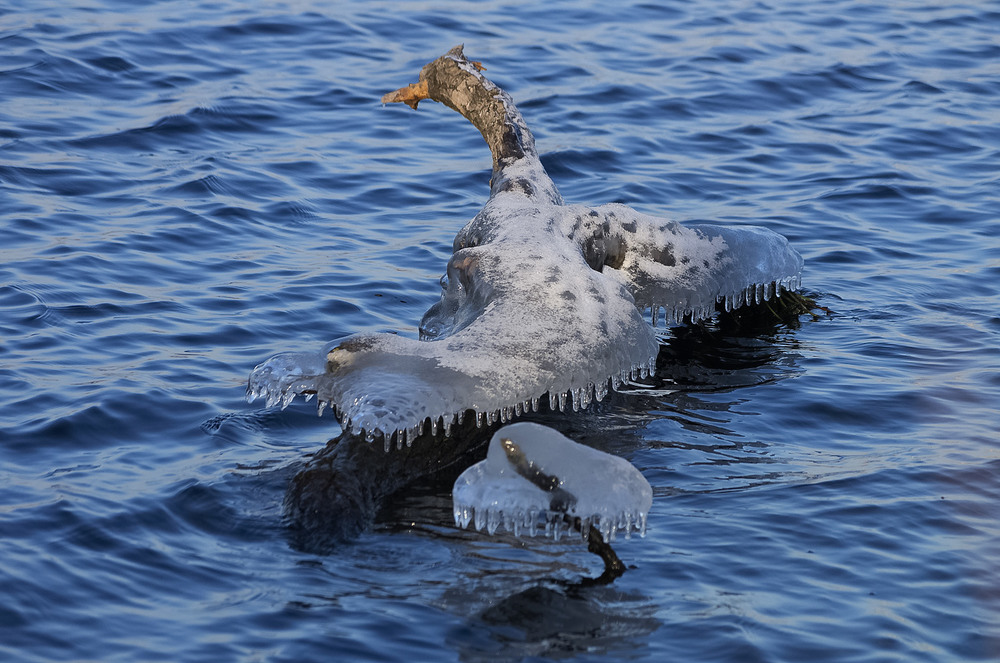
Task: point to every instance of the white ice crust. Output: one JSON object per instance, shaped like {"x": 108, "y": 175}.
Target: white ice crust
{"x": 539, "y": 299}
{"x": 609, "y": 493}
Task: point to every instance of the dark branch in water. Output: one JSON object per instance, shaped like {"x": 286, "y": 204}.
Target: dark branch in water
{"x": 562, "y": 500}
{"x": 784, "y": 309}
{"x": 338, "y": 492}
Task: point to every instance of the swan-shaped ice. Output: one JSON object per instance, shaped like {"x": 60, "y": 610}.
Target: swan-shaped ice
{"x": 535, "y": 480}
{"x": 540, "y": 298}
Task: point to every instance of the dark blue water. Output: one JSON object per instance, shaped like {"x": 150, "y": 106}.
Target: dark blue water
{"x": 187, "y": 188}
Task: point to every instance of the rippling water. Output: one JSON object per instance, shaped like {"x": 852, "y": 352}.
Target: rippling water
{"x": 187, "y": 188}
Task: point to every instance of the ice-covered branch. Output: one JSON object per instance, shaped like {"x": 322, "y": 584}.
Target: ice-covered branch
{"x": 541, "y": 300}
{"x": 535, "y": 480}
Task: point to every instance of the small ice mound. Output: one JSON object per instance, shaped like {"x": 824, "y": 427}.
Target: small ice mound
{"x": 537, "y": 481}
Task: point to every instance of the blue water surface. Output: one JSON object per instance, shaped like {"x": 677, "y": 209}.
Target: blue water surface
{"x": 189, "y": 187}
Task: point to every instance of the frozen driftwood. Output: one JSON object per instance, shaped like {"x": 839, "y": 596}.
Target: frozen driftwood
{"x": 542, "y": 306}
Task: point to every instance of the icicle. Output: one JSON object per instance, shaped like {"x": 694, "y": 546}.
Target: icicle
{"x": 655, "y": 315}
{"x": 535, "y": 404}
{"x": 553, "y": 400}
{"x": 563, "y": 396}
{"x": 320, "y": 406}
{"x": 601, "y": 390}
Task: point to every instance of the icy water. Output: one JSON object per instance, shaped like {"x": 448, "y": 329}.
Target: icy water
{"x": 187, "y": 188}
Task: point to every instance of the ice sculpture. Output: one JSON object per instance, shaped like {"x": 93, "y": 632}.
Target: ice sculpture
{"x": 540, "y": 300}
{"x": 535, "y": 480}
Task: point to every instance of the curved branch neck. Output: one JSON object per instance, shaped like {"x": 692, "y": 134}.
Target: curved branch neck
{"x": 456, "y": 82}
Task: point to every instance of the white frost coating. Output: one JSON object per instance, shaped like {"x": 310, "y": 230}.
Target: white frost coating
{"x": 539, "y": 298}
{"x": 606, "y": 491}
{"x": 522, "y": 314}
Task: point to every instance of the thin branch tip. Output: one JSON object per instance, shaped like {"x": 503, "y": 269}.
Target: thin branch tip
{"x": 411, "y": 95}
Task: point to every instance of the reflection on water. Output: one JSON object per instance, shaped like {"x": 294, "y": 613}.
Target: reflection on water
{"x": 558, "y": 620}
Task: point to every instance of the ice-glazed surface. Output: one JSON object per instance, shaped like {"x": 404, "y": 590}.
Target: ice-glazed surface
{"x": 539, "y": 299}
{"x": 603, "y": 491}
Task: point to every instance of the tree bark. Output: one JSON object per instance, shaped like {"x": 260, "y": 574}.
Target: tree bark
{"x": 456, "y": 82}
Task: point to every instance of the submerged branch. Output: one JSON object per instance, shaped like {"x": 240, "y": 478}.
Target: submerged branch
{"x": 562, "y": 500}
{"x": 337, "y": 494}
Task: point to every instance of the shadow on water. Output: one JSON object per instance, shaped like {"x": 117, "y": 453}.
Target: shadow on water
{"x": 553, "y": 620}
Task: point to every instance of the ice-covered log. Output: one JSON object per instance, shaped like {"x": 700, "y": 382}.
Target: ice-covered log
{"x": 540, "y": 299}
{"x": 537, "y": 481}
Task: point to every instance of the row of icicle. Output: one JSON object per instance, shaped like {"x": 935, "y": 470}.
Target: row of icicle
{"x": 754, "y": 294}
{"x": 578, "y": 399}
{"x": 551, "y": 523}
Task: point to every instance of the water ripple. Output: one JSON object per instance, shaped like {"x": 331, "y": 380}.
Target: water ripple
{"x": 186, "y": 190}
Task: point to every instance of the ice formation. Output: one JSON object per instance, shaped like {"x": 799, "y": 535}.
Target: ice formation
{"x": 540, "y": 300}
{"x": 568, "y": 481}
